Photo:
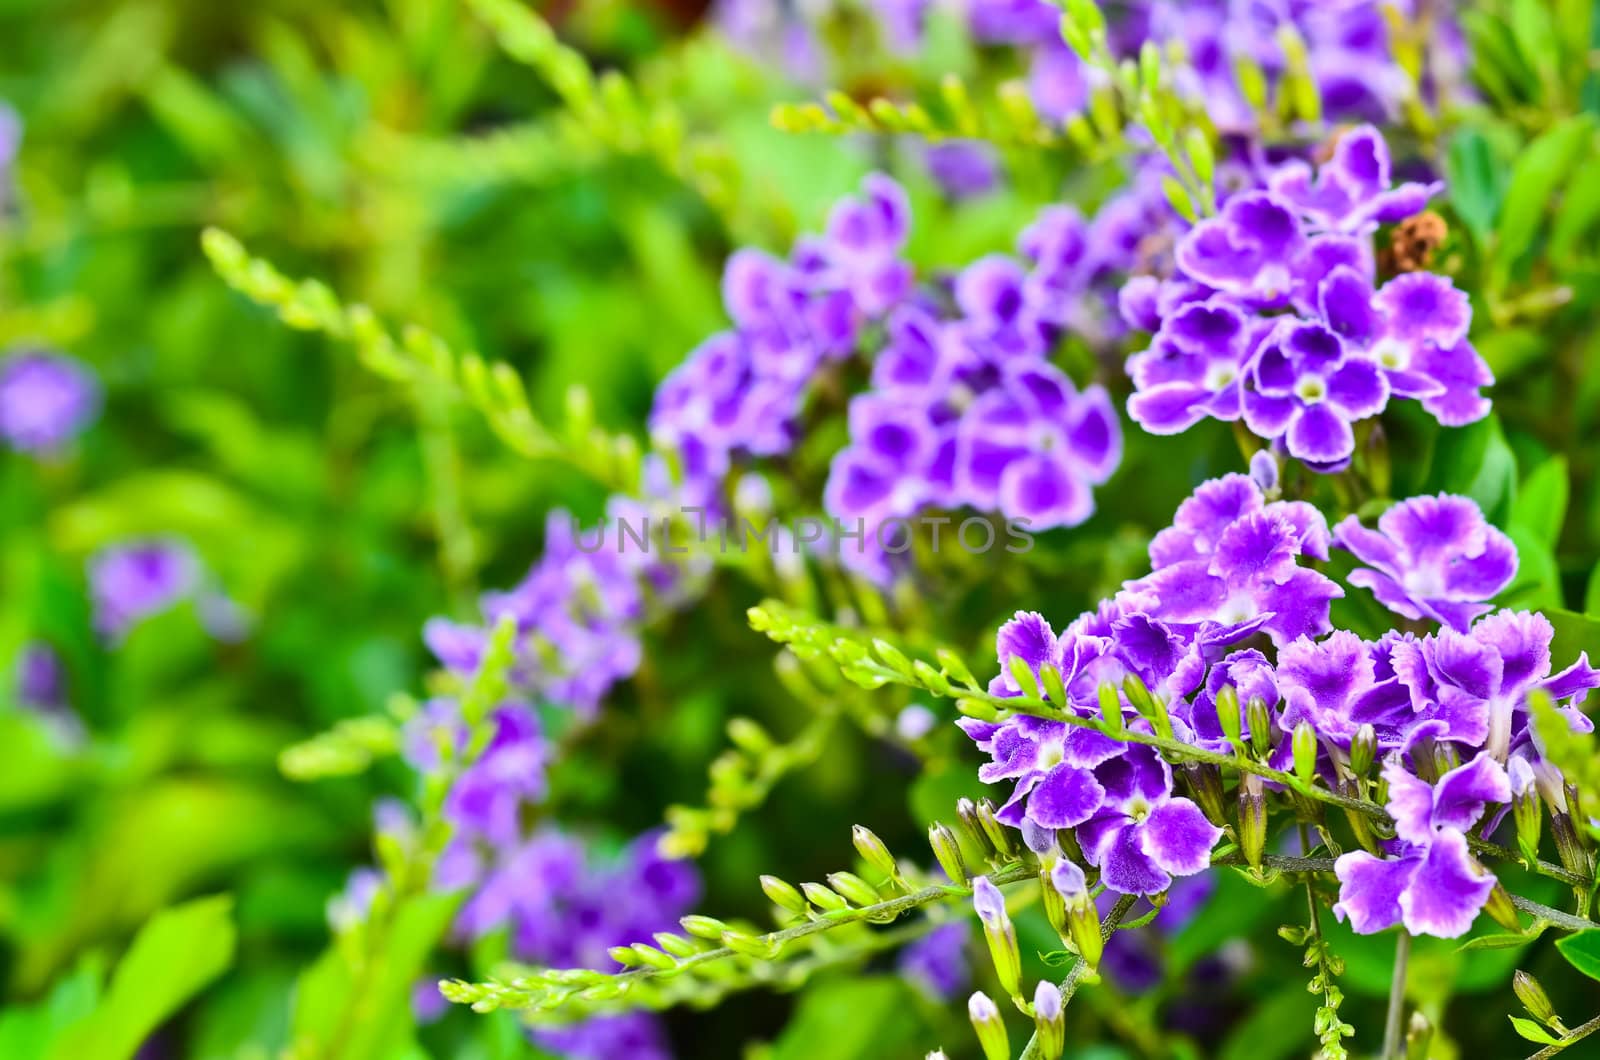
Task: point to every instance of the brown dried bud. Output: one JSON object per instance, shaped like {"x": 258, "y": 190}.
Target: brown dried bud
{"x": 1413, "y": 242}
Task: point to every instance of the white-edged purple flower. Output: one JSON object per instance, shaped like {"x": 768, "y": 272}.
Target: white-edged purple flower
{"x": 1195, "y": 366}
{"x": 1472, "y": 687}
{"x": 1415, "y": 330}
{"x": 1307, "y": 389}
{"x": 1251, "y": 250}
{"x": 1033, "y": 447}
{"x": 1143, "y": 835}
{"x": 1433, "y": 886}
{"x": 1051, "y": 764}
{"x": 1431, "y": 557}
{"x": 46, "y": 400}
{"x": 131, "y": 581}
{"x": 1250, "y": 580}
{"x": 1352, "y": 191}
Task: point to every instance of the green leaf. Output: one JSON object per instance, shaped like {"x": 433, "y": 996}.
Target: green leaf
{"x": 1541, "y": 503}
{"x": 1582, "y": 951}
{"x": 1477, "y": 462}
{"x": 1475, "y": 183}
{"x": 173, "y": 957}
{"x": 1539, "y": 173}
{"x": 851, "y": 1019}
{"x": 1533, "y": 1031}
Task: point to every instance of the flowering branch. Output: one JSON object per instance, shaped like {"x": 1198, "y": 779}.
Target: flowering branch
{"x": 588, "y": 990}
{"x": 421, "y": 358}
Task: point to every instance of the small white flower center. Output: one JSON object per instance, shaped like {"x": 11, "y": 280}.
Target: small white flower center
{"x": 1219, "y": 376}
{"x": 1311, "y": 389}
{"x": 1051, "y": 754}
{"x": 1139, "y": 807}
{"x": 1391, "y": 354}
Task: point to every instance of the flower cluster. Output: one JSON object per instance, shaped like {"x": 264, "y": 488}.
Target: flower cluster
{"x": 563, "y": 907}
{"x": 46, "y": 399}
{"x": 1274, "y": 314}
{"x": 966, "y": 410}
{"x": 577, "y": 614}
{"x": 1349, "y": 54}
{"x": 1228, "y": 643}
{"x": 741, "y": 391}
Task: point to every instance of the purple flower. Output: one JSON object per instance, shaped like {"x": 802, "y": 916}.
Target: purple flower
{"x": 488, "y": 798}
{"x": 132, "y": 581}
{"x": 1415, "y": 330}
{"x": 1051, "y": 763}
{"x": 1250, "y": 579}
{"x": 963, "y": 169}
{"x": 1195, "y": 366}
{"x": 1433, "y": 886}
{"x": 1306, "y": 389}
{"x": 1431, "y": 557}
{"x": 46, "y": 399}
{"x": 638, "y": 1035}
{"x": 1143, "y": 835}
{"x": 1335, "y": 685}
{"x": 1472, "y": 687}
{"x": 1251, "y": 250}
{"x": 1353, "y": 191}
{"x": 40, "y": 678}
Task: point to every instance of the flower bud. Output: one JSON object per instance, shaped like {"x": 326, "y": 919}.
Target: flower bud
{"x": 1264, "y": 473}
{"x": 1206, "y": 782}
{"x": 1110, "y": 709}
{"x": 757, "y": 946}
{"x": 1055, "y": 908}
{"x": 1252, "y": 819}
{"x": 1501, "y": 910}
{"x": 1569, "y": 848}
{"x": 1023, "y": 675}
{"x": 1055, "y": 691}
{"x": 1527, "y": 809}
{"x": 1149, "y": 706}
{"x": 873, "y": 851}
{"x": 823, "y": 898}
{"x": 999, "y": 835}
{"x": 676, "y": 945}
{"x": 1228, "y": 715}
{"x": 1259, "y": 717}
{"x": 703, "y": 927}
{"x": 947, "y": 851}
{"x": 1083, "y": 918}
{"x": 1535, "y": 1000}
{"x": 783, "y": 894}
{"x": 1049, "y": 1020}
{"x": 854, "y": 888}
{"x": 1039, "y": 839}
{"x": 999, "y": 933}
{"x": 1363, "y": 750}
{"x": 991, "y": 1029}
{"x": 972, "y": 827}
{"x": 1419, "y": 1036}
{"x": 1305, "y": 752}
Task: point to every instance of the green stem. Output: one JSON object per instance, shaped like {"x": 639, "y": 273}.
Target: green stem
{"x": 1577, "y": 1033}
{"x": 1069, "y": 985}
{"x": 1397, "y": 998}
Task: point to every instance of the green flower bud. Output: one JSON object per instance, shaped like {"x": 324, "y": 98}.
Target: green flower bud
{"x": 873, "y": 851}
{"x": 676, "y": 945}
{"x": 1363, "y": 750}
{"x": 999, "y": 836}
{"x": 947, "y": 851}
{"x": 991, "y": 1029}
{"x": 854, "y": 888}
{"x": 1228, "y": 714}
{"x": 703, "y": 927}
{"x": 1305, "y": 752}
{"x": 1501, "y": 910}
{"x": 757, "y": 946}
{"x": 1111, "y": 709}
{"x": 823, "y": 898}
{"x": 783, "y": 894}
{"x": 1535, "y": 1000}
{"x": 1252, "y": 819}
{"x": 1049, "y": 1020}
{"x": 999, "y": 933}
{"x": 1259, "y": 717}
